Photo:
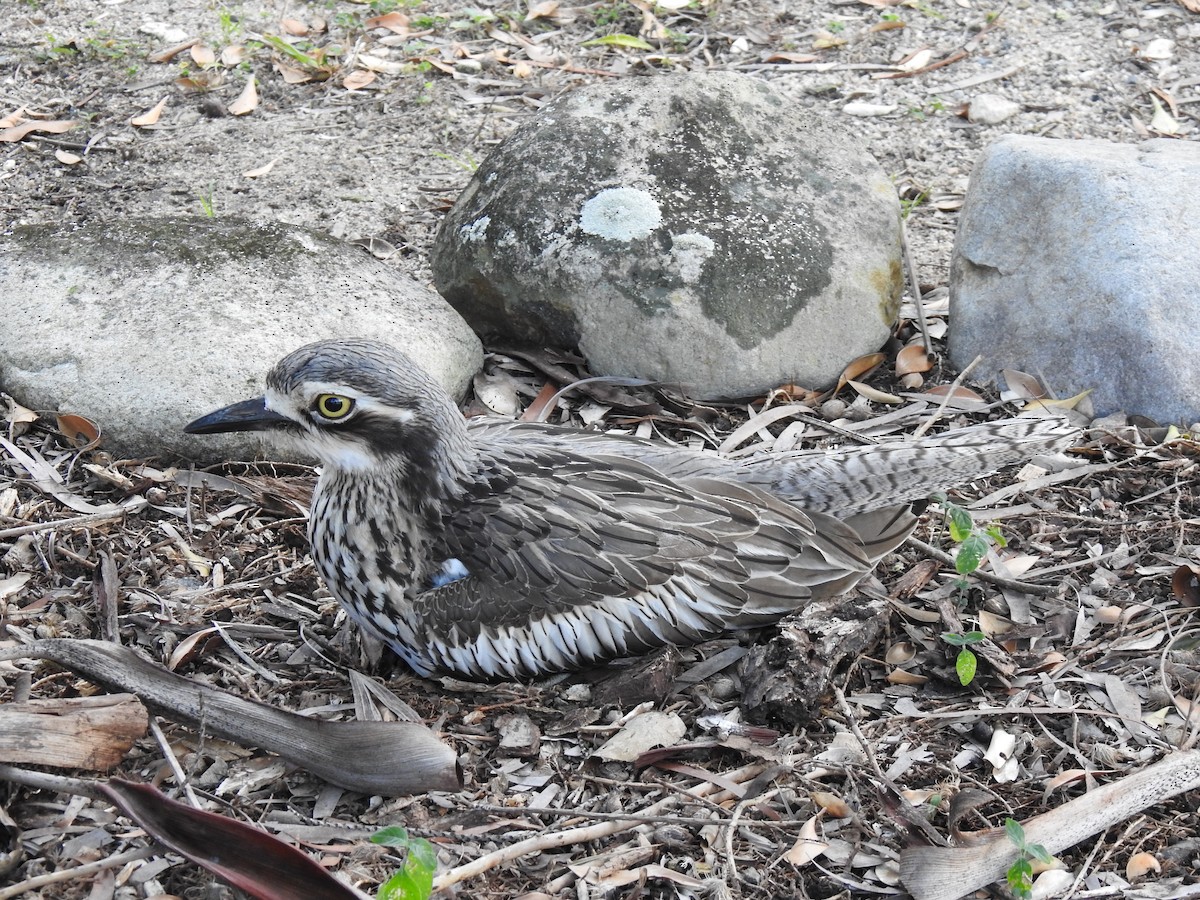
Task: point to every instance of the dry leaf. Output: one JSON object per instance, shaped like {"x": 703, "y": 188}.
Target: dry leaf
{"x": 67, "y": 158}
{"x": 294, "y": 27}
{"x": 785, "y": 56}
{"x": 889, "y": 25}
{"x": 80, "y": 431}
{"x": 247, "y": 101}
{"x": 393, "y": 21}
{"x": 899, "y": 653}
{"x": 856, "y": 369}
{"x": 1162, "y": 121}
{"x": 918, "y": 59}
{"x": 1140, "y": 865}
{"x": 202, "y": 55}
{"x": 808, "y": 846}
{"x": 9, "y": 587}
{"x": 385, "y": 66}
{"x": 358, "y": 79}
{"x": 913, "y": 358}
{"x": 545, "y": 10}
{"x": 1021, "y": 386}
{"x": 905, "y": 677}
{"x": 261, "y": 170}
{"x": 233, "y": 55}
{"x": 12, "y": 118}
{"x": 151, "y": 116}
{"x": 1068, "y": 403}
{"x": 826, "y": 41}
{"x": 874, "y": 394}
{"x": 291, "y": 74}
{"x": 1185, "y": 585}
{"x": 992, "y": 624}
{"x": 522, "y": 69}
{"x": 19, "y": 132}
{"x": 832, "y": 804}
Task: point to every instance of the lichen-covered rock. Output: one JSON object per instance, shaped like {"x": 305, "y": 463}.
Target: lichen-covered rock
{"x": 699, "y": 230}
{"x": 143, "y": 325}
{"x": 1077, "y": 261}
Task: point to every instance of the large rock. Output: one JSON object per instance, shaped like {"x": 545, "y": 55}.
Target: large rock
{"x": 1077, "y": 261}
{"x": 143, "y": 325}
{"x": 695, "y": 229}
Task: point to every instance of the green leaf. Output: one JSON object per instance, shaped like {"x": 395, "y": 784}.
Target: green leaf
{"x": 960, "y": 521}
{"x": 994, "y": 532}
{"x": 415, "y": 880}
{"x": 962, "y": 640}
{"x": 974, "y": 548}
{"x": 965, "y": 665}
{"x": 1040, "y": 853}
{"x": 628, "y": 41}
{"x": 1020, "y": 877}
{"x": 1015, "y": 832}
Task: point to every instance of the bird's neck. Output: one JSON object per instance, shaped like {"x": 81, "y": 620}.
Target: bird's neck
{"x": 394, "y": 509}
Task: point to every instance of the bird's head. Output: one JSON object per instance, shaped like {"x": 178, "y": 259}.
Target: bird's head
{"x": 355, "y": 405}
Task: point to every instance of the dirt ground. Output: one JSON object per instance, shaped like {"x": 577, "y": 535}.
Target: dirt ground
{"x": 1093, "y": 672}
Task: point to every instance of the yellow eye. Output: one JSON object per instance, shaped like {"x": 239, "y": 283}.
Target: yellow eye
{"x": 333, "y": 406}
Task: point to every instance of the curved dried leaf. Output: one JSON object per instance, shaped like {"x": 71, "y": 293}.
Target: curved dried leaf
{"x": 294, "y": 27}
{"x": 241, "y": 855}
{"x": 1021, "y": 385}
{"x": 874, "y": 394}
{"x": 1140, "y": 865}
{"x": 151, "y": 116}
{"x": 80, "y": 431}
{"x": 202, "y": 55}
{"x": 857, "y": 368}
{"x": 832, "y": 804}
{"x": 67, "y": 158}
{"x": 24, "y": 129}
{"x": 913, "y": 358}
{"x": 1185, "y": 585}
{"x": 357, "y": 80}
{"x": 233, "y": 55}
{"x": 247, "y": 101}
{"x": 809, "y": 845}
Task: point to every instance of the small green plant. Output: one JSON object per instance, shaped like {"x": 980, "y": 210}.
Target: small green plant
{"x": 907, "y": 205}
{"x": 415, "y": 880}
{"x": 973, "y": 546}
{"x": 974, "y": 542}
{"x": 1020, "y": 873}
{"x": 965, "y": 664}
{"x": 608, "y": 14}
{"x": 835, "y": 27}
{"x": 206, "y": 203}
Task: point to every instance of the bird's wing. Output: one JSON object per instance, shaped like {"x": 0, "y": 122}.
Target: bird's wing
{"x": 546, "y": 530}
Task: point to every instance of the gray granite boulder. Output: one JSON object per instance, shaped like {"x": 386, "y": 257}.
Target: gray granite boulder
{"x": 143, "y": 325}
{"x": 700, "y": 230}
{"x": 1077, "y": 261}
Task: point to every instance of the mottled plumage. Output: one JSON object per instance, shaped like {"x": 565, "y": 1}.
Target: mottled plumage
{"x": 498, "y": 549}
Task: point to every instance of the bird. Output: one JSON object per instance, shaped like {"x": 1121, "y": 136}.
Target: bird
{"x": 490, "y": 549}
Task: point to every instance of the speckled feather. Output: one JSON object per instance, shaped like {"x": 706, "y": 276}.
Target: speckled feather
{"x": 495, "y": 549}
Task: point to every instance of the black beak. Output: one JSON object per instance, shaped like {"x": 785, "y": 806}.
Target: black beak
{"x": 249, "y": 415}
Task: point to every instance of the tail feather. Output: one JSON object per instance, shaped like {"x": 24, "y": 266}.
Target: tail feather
{"x": 849, "y": 481}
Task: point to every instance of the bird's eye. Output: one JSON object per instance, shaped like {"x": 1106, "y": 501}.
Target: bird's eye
{"x": 333, "y": 407}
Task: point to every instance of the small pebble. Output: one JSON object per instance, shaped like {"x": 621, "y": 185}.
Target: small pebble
{"x": 992, "y": 109}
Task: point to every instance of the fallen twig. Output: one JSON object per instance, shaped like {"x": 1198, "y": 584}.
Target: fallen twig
{"x": 941, "y": 873}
